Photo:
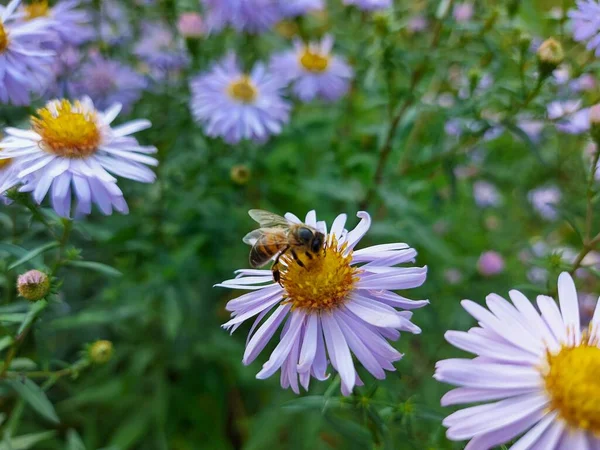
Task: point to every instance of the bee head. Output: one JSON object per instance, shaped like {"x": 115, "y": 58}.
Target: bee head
{"x": 305, "y": 235}
{"x": 317, "y": 243}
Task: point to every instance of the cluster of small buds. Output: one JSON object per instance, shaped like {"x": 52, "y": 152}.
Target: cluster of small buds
{"x": 33, "y": 285}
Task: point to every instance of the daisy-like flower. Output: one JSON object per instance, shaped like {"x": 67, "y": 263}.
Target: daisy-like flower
{"x": 569, "y": 116}
{"x": 71, "y": 148}
{"x": 536, "y": 374}
{"x": 8, "y": 178}
{"x": 545, "y": 200}
{"x": 585, "y": 24}
{"x": 313, "y": 70}
{"x": 24, "y": 66}
{"x": 369, "y": 5}
{"x": 161, "y": 49}
{"x": 340, "y": 303}
{"x": 115, "y": 23}
{"x": 69, "y": 24}
{"x": 294, "y": 8}
{"x": 108, "y": 81}
{"x": 252, "y": 16}
{"x": 234, "y": 105}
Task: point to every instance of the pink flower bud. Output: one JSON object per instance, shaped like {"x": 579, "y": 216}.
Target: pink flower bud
{"x": 190, "y": 25}
{"x": 33, "y": 285}
{"x": 490, "y": 263}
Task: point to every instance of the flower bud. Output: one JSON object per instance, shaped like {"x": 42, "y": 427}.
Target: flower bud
{"x": 240, "y": 174}
{"x": 190, "y": 25}
{"x": 595, "y": 123}
{"x": 550, "y": 54}
{"x": 33, "y": 285}
{"x": 490, "y": 263}
{"x": 287, "y": 29}
{"x": 100, "y": 352}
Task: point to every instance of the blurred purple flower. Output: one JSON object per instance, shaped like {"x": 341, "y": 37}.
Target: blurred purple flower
{"x": 161, "y": 50}
{"x": 108, "y": 81}
{"x": 235, "y": 105}
{"x": 486, "y": 194}
{"x": 417, "y": 24}
{"x": 64, "y": 67}
{"x": 24, "y": 66}
{"x": 533, "y": 128}
{"x": 69, "y": 24}
{"x": 369, "y": 5}
{"x": 115, "y": 23}
{"x": 585, "y": 24}
{"x": 294, "y": 8}
{"x": 313, "y": 71}
{"x": 190, "y": 25}
{"x": 544, "y": 201}
{"x": 586, "y": 82}
{"x": 569, "y": 116}
{"x": 490, "y": 263}
{"x": 453, "y": 276}
{"x": 562, "y": 74}
{"x": 252, "y": 16}
{"x": 463, "y": 12}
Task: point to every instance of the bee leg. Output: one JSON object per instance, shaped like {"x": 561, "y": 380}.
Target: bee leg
{"x": 276, "y": 275}
{"x": 300, "y": 263}
{"x": 275, "y": 267}
{"x": 308, "y": 255}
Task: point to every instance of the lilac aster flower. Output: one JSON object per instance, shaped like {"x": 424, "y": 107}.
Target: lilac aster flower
{"x": 65, "y": 65}
{"x": 486, "y": 194}
{"x": 108, "y": 81}
{"x": 190, "y": 25}
{"x": 161, "y": 49}
{"x": 115, "y": 23}
{"x": 569, "y": 116}
{"x": 71, "y": 148}
{"x": 369, "y": 5}
{"x": 252, "y": 16}
{"x": 8, "y": 177}
{"x": 69, "y": 24}
{"x": 545, "y": 200}
{"x": 340, "y": 303}
{"x": 585, "y": 24}
{"x": 417, "y": 24}
{"x": 463, "y": 12}
{"x": 235, "y": 105}
{"x": 535, "y": 375}
{"x": 293, "y": 8}
{"x": 313, "y": 70}
{"x": 24, "y": 67}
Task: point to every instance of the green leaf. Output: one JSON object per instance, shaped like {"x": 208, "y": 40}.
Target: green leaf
{"x": 97, "y": 267}
{"x": 27, "y": 441}
{"x": 312, "y": 402}
{"x": 35, "y": 309}
{"x": 13, "y": 318}
{"x": 74, "y": 442}
{"x": 132, "y": 430}
{"x": 35, "y": 397}
{"x": 33, "y": 253}
{"x": 5, "y": 342}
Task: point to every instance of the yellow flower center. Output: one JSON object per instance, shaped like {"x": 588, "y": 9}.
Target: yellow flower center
{"x": 4, "y": 163}
{"x": 37, "y": 9}
{"x": 573, "y": 383}
{"x": 3, "y": 38}
{"x": 243, "y": 90}
{"x": 323, "y": 283}
{"x": 67, "y": 129}
{"x": 314, "y": 62}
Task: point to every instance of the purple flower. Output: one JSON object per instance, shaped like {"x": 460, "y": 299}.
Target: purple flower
{"x": 369, "y": 5}
{"x": 252, "y": 16}
{"x": 313, "y": 70}
{"x": 108, "y": 81}
{"x": 190, "y": 25}
{"x": 586, "y": 82}
{"x": 24, "y": 66}
{"x": 585, "y": 24}
{"x": 115, "y": 23}
{"x": 294, "y": 8}
{"x": 534, "y": 377}
{"x": 463, "y": 12}
{"x": 417, "y": 24}
{"x": 533, "y": 128}
{"x": 486, "y": 194}
{"x": 161, "y": 49}
{"x": 490, "y": 263}
{"x": 70, "y": 150}
{"x": 69, "y": 25}
{"x": 339, "y": 304}
{"x": 234, "y": 105}
{"x": 65, "y": 65}
{"x": 569, "y": 116}
{"x": 545, "y": 200}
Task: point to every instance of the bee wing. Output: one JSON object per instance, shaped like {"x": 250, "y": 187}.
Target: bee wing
{"x": 252, "y": 237}
{"x": 263, "y": 250}
{"x": 268, "y": 219}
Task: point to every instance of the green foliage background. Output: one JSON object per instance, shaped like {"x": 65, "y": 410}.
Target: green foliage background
{"x": 176, "y": 380}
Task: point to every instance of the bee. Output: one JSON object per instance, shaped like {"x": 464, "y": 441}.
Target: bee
{"x": 276, "y": 237}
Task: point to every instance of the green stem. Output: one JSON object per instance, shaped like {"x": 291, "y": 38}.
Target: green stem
{"x": 64, "y": 239}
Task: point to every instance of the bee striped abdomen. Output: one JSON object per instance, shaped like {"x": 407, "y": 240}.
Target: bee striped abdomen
{"x": 267, "y": 246}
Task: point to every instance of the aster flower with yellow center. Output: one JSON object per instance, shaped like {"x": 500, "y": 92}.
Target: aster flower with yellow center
{"x": 235, "y": 105}
{"x": 336, "y": 304}
{"x": 24, "y": 65}
{"x": 68, "y": 24}
{"x": 536, "y": 374}
{"x": 313, "y": 70}
{"x": 8, "y": 177}
{"x": 71, "y": 148}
